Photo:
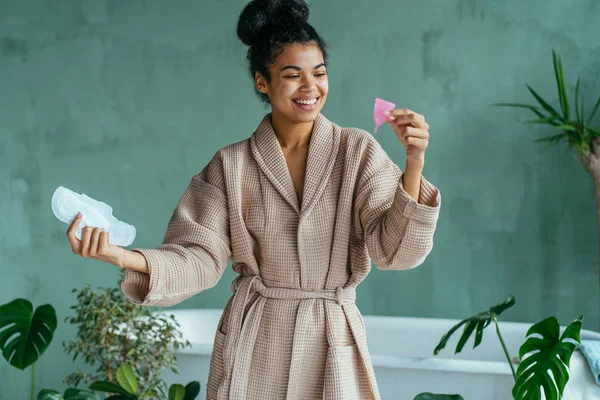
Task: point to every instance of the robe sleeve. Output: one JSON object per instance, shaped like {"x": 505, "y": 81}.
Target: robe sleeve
{"x": 196, "y": 246}
{"x": 397, "y": 230}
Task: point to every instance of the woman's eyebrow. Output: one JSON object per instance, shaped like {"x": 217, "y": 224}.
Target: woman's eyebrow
{"x": 300, "y": 69}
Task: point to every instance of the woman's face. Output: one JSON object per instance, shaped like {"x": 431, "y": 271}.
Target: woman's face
{"x": 299, "y": 85}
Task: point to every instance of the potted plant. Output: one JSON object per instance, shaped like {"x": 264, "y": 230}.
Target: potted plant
{"x": 126, "y": 388}
{"x": 574, "y": 128}
{"x": 538, "y": 358}
{"x": 113, "y": 331}
{"x": 34, "y": 332}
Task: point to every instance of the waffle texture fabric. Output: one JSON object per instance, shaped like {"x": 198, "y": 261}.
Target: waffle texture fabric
{"x": 291, "y": 329}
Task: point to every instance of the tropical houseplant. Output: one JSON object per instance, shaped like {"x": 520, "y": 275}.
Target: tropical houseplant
{"x": 542, "y": 361}
{"x": 25, "y": 335}
{"x": 113, "y": 331}
{"x": 126, "y": 388}
{"x": 572, "y": 127}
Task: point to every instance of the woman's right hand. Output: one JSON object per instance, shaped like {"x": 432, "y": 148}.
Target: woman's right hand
{"x": 94, "y": 244}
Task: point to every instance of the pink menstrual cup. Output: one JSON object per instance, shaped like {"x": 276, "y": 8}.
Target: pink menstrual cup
{"x": 381, "y": 106}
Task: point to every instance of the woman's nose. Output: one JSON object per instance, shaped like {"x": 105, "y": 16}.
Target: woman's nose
{"x": 309, "y": 83}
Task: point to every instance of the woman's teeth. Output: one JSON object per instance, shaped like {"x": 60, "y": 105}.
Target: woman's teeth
{"x": 306, "y": 102}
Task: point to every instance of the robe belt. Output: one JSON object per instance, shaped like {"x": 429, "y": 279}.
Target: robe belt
{"x": 241, "y": 334}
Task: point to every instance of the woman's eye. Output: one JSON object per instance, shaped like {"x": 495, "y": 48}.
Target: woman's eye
{"x": 292, "y": 76}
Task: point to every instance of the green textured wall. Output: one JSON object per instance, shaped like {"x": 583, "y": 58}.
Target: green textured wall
{"x": 127, "y": 100}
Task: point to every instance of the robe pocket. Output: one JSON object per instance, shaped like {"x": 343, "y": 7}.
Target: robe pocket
{"x": 342, "y": 373}
{"x": 215, "y": 375}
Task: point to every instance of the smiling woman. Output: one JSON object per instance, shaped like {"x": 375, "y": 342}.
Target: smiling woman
{"x": 301, "y": 208}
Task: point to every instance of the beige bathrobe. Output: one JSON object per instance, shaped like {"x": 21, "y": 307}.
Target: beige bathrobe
{"x": 291, "y": 330}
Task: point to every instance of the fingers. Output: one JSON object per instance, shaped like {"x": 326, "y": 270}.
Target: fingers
{"x": 405, "y": 112}
{"x": 413, "y": 136}
{"x": 94, "y": 241}
{"x": 75, "y": 243}
{"x": 86, "y": 235}
{"x": 407, "y": 120}
{"x": 103, "y": 242}
{"x": 409, "y": 131}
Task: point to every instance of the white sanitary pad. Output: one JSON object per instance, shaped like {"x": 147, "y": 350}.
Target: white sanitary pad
{"x": 66, "y": 204}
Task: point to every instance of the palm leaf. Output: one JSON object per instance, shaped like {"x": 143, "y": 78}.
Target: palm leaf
{"x": 560, "y": 83}
{"x": 569, "y": 128}
{"x": 552, "y": 139}
{"x": 532, "y": 108}
{"x": 548, "y": 353}
{"x": 595, "y": 132}
{"x": 35, "y": 331}
{"x": 476, "y": 323}
{"x": 545, "y": 120}
{"x": 544, "y": 104}
{"x": 593, "y": 111}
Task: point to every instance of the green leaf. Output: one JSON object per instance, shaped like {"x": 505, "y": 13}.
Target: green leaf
{"x": 534, "y": 109}
{"x": 577, "y": 115}
{"x": 552, "y": 139}
{"x": 595, "y": 132}
{"x": 560, "y": 83}
{"x": 475, "y": 323}
{"x": 593, "y": 111}
{"x": 35, "y": 331}
{"x": 192, "y": 390}
{"x": 79, "y": 394}
{"x": 544, "y": 104}
{"x": 569, "y": 128}
{"x": 518, "y": 105}
{"x": 120, "y": 397}
{"x": 548, "y": 353}
{"x": 126, "y": 378}
{"x": 49, "y": 394}
{"x": 176, "y": 392}
{"x": 108, "y": 387}
{"x": 545, "y": 120}
{"x": 433, "y": 396}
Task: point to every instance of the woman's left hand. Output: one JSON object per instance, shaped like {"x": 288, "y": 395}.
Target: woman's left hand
{"x": 412, "y": 131}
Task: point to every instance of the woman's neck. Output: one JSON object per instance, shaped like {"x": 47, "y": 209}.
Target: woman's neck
{"x": 291, "y": 135}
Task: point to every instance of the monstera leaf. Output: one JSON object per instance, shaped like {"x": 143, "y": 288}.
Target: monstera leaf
{"x": 433, "y": 396}
{"x": 35, "y": 331}
{"x": 549, "y": 353}
{"x": 475, "y": 323}
{"x": 49, "y": 394}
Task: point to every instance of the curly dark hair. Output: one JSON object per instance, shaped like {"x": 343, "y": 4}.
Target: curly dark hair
{"x": 267, "y": 26}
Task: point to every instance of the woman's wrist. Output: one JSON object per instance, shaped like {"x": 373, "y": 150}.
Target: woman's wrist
{"x": 133, "y": 260}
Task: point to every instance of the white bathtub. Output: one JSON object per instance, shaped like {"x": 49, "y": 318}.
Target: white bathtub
{"x": 402, "y": 355}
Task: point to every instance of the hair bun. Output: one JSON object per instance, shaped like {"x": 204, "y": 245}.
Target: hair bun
{"x": 258, "y": 13}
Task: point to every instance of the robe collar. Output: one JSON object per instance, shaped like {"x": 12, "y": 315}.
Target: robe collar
{"x": 322, "y": 153}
